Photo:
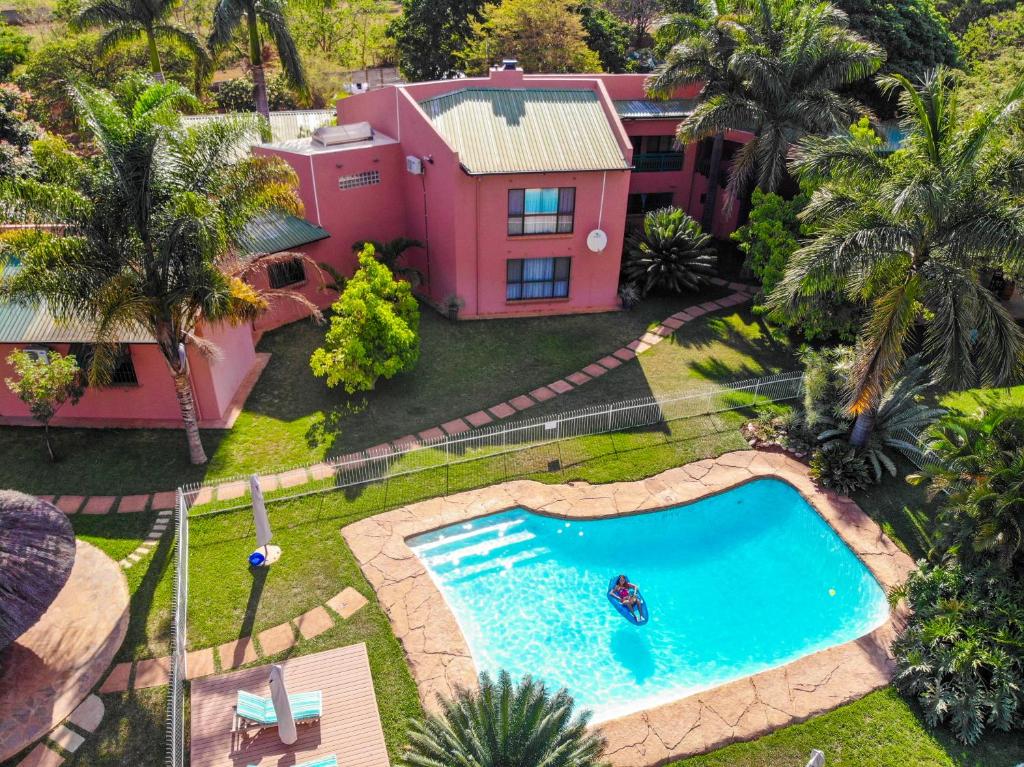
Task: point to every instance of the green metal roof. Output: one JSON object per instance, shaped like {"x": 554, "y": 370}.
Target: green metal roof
{"x": 33, "y": 324}
{"x": 529, "y": 130}
{"x": 649, "y": 109}
{"x": 277, "y": 232}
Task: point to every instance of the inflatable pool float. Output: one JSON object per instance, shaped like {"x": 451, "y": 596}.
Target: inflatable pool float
{"x": 626, "y": 613}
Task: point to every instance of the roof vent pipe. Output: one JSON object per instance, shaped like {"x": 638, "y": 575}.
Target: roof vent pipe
{"x": 510, "y": 65}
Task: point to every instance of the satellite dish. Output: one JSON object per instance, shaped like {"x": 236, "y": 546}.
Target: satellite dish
{"x": 597, "y": 241}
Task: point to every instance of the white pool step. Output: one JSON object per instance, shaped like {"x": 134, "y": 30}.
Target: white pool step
{"x": 477, "y": 549}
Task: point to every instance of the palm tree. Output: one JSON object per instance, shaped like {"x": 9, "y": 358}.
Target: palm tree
{"x": 392, "y": 255}
{"x": 127, "y": 19}
{"x": 909, "y": 233}
{"x": 670, "y": 252}
{"x": 227, "y": 17}
{"x": 706, "y": 44}
{"x": 791, "y": 60}
{"x": 978, "y": 464}
{"x": 504, "y": 725}
{"x": 150, "y": 230}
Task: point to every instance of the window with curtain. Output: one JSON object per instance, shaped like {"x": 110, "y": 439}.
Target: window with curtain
{"x": 532, "y": 278}
{"x": 541, "y": 211}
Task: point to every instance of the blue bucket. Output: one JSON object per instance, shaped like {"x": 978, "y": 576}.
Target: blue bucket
{"x": 256, "y": 558}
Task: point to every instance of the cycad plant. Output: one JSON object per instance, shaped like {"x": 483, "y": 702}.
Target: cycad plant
{"x": 670, "y": 252}
{"x": 504, "y": 725}
{"x": 909, "y": 233}
{"x": 150, "y": 226}
{"x": 126, "y": 20}
{"x": 902, "y": 415}
{"x": 392, "y": 255}
{"x": 791, "y": 62}
{"x": 228, "y": 15}
{"x": 977, "y": 467}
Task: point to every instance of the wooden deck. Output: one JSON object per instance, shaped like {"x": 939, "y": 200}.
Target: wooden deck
{"x": 350, "y": 727}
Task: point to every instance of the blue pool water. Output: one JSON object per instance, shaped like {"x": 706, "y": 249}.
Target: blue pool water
{"x": 736, "y": 583}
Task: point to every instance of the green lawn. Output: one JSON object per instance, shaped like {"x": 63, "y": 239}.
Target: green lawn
{"x": 293, "y": 418}
{"x": 973, "y": 399}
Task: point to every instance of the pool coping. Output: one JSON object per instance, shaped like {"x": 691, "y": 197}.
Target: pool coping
{"x": 747, "y": 708}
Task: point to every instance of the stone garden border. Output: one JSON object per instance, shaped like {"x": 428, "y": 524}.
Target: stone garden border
{"x": 742, "y": 710}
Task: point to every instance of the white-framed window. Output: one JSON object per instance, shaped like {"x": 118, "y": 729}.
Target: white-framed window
{"x": 356, "y": 180}
{"x": 532, "y": 278}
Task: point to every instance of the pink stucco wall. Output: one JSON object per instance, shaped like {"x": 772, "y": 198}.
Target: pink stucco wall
{"x": 151, "y": 402}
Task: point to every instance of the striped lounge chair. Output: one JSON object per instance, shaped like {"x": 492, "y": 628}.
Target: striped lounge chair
{"x": 254, "y": 711}
{"x": 323, "y": 761}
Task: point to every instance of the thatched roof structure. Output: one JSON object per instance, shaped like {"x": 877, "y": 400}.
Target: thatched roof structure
{"x": 37, "y": 551}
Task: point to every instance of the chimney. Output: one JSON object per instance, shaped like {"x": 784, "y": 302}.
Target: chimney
{"x": 507, "y": 74}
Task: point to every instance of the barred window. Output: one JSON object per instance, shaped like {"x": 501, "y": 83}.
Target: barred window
{"x": 366, "y": 178}
{"x": 286, "y": 273}
{"x": 123, "y": 372}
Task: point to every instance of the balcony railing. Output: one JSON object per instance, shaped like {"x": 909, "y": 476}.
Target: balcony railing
{"x": 655, "y": 162}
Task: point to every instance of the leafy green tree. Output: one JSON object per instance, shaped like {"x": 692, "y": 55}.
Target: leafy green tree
{"x": 45, "y": 385}
{"x": 977, "y": 469}
{"x": 504, "y": 725}
{"x": 794, "y": 60}
{"x": 260, "y": 15}
{"x": 700, "y": 49}
{"x": 14, "y": 47}
{"x": 913, "y": 34}
{"x": 987, "y": 38}
{"x": 961, "y": 655}
{"x": 237, "y": 94}
{"x": 151, "y": 226}
{"x": 908, "y": 233}
{"x": 126, "y": 20}
{"x": 640, "y": 15}
{"x": 669, "y": 252}
{"x": 962, "y": 13}
{"x": 546, "y": 36}
{"x": 374, "y": 330}
{"x": 17, "y": 132}
{"x": 430, "y": 33}
{"x": 770, "y": 237}
{"x": 606, "y": 35}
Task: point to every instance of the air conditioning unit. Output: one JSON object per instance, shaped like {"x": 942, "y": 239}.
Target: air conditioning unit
{"x": 38, "y": 353}
{"x": 414, "y": 165}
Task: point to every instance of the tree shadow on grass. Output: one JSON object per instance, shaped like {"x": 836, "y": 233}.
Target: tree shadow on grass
{"x": 149, "y": 622}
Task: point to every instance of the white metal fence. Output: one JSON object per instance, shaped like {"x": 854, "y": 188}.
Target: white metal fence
{"x": 383, "y": 465}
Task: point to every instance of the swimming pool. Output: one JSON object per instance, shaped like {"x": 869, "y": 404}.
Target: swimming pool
{"x": 737, "y": 583}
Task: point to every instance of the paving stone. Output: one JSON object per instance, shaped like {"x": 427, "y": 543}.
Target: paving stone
{"x": 125, "y": 564}
{"x": 314, "y": 623}
{"x": 663, "y": 331}
{"x": 321, "y": 471}
{"x": 237, "y": 653}
{"x": 717, "y": 281}
{"x": 504, "y": 410}
{"x": 41, "y": 756}
{"x": 684, "y": 316}
{"x": 99, "y": 504}
{"x": 199, "y": 663}
{"x": 134, "y": 557}
{"x": 710, "y": 306}
{"x": 203, "y": 496}
{"x": 382, "y": 449}
{"x": 479, "y": 418}
{"x": 560, "y": 386}
{"x": 651, "y": 338}
{"x": 268, "y": 482}
{"x": 434, "y": 433}
{"x": 640, "y": 347}
{"x": 117, "y": 681}
{"x": 522, "y": 402}
{"x": 89, "y": 714}
{"x": 132, "y": 503}
{"x": 696, "y": 311}
{"x": 70, "y": 504}
{"x": 455, "y": 427}
{"x": 733, "y": 300}
{"x": 293, "y": 478}
{"x": 543, "y": 394}
{"x": 164, "y": 500}
{"x": 672, "y": 323}
{"x": 594, "y": 370}
{"x": 47, "y": 498}
{"x": 406, "y": 442}
{"x": 347, "y": 602}
{"x": 609, "y": 362}
{"x": 67, "y": 739}
{"x": 277, "y": 639}
{"x": 579, "y": 377}
{"x": 738, "y": 286}
{"x": 624, "y": 354}
{"x": 231, "y": 490}
{"x": 152, "y": 672}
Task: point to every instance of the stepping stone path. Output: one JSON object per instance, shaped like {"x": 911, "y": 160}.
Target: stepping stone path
{"x": 83, "y": 722}
{"x": 160, "y": 525}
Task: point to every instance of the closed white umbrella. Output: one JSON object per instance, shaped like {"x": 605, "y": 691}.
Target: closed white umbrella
{"x": 282, "y": 706}
{"x": 262, "y": 522}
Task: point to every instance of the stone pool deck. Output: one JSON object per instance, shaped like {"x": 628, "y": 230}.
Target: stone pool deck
{"x": 741, "y": 710}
